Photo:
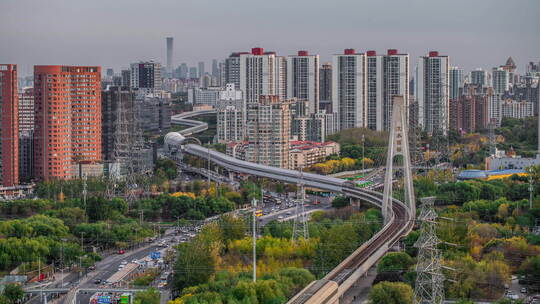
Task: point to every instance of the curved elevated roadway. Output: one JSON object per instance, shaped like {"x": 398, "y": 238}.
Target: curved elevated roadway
{"x": 342, "y": 277}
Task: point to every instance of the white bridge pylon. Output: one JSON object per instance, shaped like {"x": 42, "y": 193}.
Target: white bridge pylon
{"x": 398, "y": 144}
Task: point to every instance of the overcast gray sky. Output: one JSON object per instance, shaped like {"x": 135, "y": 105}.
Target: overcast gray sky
{"x": 113, "y": 33}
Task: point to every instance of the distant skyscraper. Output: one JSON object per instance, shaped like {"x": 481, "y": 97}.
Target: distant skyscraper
{"x": 146, "y": 75}
{"x": 303, "y": 79}
{"x": 201, "y": 69}
{"x": 169, "y": 55}
{"x": 110, "y": 72}
{"x": 9, "y": 115}
{"x": 349, "y": 89}
{"x": 193, "y": 73}
{"x": 126, "y": 78}
{"x": 501, "y": 80}
{"x": 215, "y": 68}
{"x": 183, "y": 71}
{"x": 257, "y": 74}
{"x": 432, "y": 92}
{"x": 387, "y": 76}
{"x": 325, "y": 82}
{"x": 479, "y": 77}
{"x": 456, "y": 82}
{"x": 68, "y": 119}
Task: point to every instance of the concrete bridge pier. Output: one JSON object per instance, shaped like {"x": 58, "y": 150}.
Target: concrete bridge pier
{"x": 355, "y": 202}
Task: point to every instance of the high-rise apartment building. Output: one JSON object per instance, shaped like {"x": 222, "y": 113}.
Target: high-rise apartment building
{"x": 26, "y": 134}
{"x": 469, "y": 111}
{"x": 479, "y": 77}
{"x": 231, "y": 115}
{"x": 387, "y": 76}
{"x": 268, "y": 131}
{"x": 146, "y": 76}
{"x": 456, "y": 81}
{"x": 500, "y": 80}
{"x": 183, "y": 71}
{"x": 303, "y": 79}
{"x": 432, "y": 92}
{"x": 193, "y": 73}
{"x": 201, "y": 69}
{"x": 349, "y": 89}
{"x": 68, "y": 119}
{"x": 281, "y": 77}
{"x": 231, "y": 69}
{"x": 169, "y": 55}
{"x": 325, "y": 82}
{"x": 9, "y": 115}
{"x": 257, "y": 74}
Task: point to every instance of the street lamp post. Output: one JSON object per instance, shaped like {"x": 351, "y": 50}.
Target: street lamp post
{"x": 254, "y": 205}
{"x": 530, "y": 188}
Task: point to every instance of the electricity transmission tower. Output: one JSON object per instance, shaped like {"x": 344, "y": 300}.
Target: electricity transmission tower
{"x": 300, "y": 222}
{"x": 429, "y": 286}
{"x": 128, "y": 146}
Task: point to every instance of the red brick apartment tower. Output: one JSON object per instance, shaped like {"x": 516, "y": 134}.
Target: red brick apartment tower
{"x": 9, "y": 114}
{"x": 68, "y": 119}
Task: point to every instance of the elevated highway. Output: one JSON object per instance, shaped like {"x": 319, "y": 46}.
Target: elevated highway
{"x": 341, "y": 278}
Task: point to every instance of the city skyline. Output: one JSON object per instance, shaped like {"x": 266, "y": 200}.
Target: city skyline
{"x": 320, "y": 28}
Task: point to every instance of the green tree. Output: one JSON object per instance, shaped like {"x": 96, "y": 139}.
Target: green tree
{"x": 149, "y": 296}
{"x": 395, "y": 261}
{"x": 340, "y": 202}
{"x": 13, "y": 293}
{"x": 391, "y": 293}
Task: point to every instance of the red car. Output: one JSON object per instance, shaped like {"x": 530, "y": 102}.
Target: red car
{"x": 121, "y": 251}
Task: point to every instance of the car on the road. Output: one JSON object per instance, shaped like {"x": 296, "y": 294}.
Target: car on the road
{"x": 121, "y": 266}
{"x": 523, "y": 290}
{"x": 511, "y": 295}
{"x": 97, "y": 281}
{"x": 280, "y": 217}
{"x": 121, "y": 251}
{"x": 124, "y": 263}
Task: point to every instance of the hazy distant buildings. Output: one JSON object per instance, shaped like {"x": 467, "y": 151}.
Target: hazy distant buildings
{"x": 303, "y": 79}
{"x": 348, "y": 89}
{"x": 479, "y": 77}
{"x": 68, "y": 121}
{"x": 432, "y": 92}
{"x": 169, "y": 55}
{"x": 9, "y": 116}
{"x": 193, "y": 73}
{"x": 146, "y": 76}
{"x": 201, "y": 69}
{"x": 516, "y": 109}
{"x": 500, "y": 80}
{"x": 155, "y": 113}
{"x": 215, "y": 68}
{"x": 456, "y": 81}
{"x": 203, "y": 96}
